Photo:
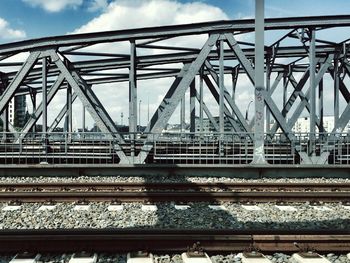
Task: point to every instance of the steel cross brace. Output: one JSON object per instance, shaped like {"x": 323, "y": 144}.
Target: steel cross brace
{"x": 39, "y": 110}
{"x": 61, "y": 114}
{"x": 303, "y": 104}
{"x": 342, "y": 121}
{"x": 216, "y": 96}
{"x": 264, "y": 93}
{"x": 303, "y": 97}
{"x": 173, "y": 97}
{"x": 207, "y": 112}
{"x": 18, "y": 79}
{"x": 228, "y": 98}
{"x": 93, "y": 106}
{"x": 270, "y": 91}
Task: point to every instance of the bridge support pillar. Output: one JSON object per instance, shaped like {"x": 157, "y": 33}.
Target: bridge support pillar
{"x": 259, "y": 155}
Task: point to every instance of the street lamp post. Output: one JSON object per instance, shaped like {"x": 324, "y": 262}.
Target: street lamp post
{"x": 246, "y": 112}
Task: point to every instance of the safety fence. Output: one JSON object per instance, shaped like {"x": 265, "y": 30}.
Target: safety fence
{"x": 169, "y": 148}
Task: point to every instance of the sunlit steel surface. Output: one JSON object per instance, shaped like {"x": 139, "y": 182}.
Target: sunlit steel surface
{"x": 298, "y": 57}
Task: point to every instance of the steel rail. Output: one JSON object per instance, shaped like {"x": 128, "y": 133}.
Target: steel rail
{"x": 176, "y": 186}
{"x": 177, "y": 196}
{"x": 171, "y": 31}
{"x": 155, "y": 240}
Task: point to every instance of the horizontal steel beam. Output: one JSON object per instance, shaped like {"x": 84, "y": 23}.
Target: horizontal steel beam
{"x": 173, "y": 31}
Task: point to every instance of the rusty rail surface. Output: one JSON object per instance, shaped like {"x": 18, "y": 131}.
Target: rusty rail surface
{"x": 180, "y": 192}
{"x": 117, "y": 240}
{"x": 171, "y": 186}
{"x": 175, "y": 196}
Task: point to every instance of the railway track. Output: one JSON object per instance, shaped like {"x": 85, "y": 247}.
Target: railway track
{"x": 179, "y": 192}
{"x": 173, "y": 186}
{"x": 167, "y": 240}
{"x": 116, "y": 240}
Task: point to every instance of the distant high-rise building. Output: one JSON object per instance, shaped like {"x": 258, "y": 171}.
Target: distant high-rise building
{"x": 208, "y": 126}
{"x": 17, "y": 111}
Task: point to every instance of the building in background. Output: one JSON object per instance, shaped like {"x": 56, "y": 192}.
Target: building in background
{"x": 17, "y": 112}
{"x": 302, "y": 125}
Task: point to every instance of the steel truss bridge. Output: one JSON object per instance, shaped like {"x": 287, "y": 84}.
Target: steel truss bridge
{"x": 298, "y": 60}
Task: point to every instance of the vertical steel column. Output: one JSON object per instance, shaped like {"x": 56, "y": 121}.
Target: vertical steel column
{"x": 320, "y": 102}
{"x": 201, "y": 103}
{"x": 285, "y": 84}
{"x": 268, "y": 81}
{"x": 259, "y": 157}
{"x": 69, "y": 110}
{"x": 5, "y": 125}
{"x": 221, "y": 86}
{"x": 83, "y": 118}
{"x": 44, "y": 107}
{"x": 313, "y": 94}
{"x": 336, "y": 91}
{"x": 234, "y": 84}
{"x": 132, "y": 98}
{"x": 193, "y": 107}
{"x": 44, "y": 96}
{"x": 139, "y": 126}
{"x": 34, "y": 108}
{"x": 182, "y": 114}
{"x": 5, "y": 116}
{"x": 132, "y": 89}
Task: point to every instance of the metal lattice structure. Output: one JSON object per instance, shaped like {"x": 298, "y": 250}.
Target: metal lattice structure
{"x": 71, "y": 63}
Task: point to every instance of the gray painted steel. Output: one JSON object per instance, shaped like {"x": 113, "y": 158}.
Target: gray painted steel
{"x": 63, "y": 62}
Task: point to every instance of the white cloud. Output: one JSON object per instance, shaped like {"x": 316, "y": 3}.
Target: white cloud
{"x": 123, "y": 14}
{"x": 54, "y": 5}
{"x": 6, "y": 32}
{"x": 96, "y": 5}
{"x": 133, "y": 14}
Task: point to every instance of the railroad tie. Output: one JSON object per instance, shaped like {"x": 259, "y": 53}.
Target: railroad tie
{"x": 253, "y": 257}
{"x": 309, "y": 257}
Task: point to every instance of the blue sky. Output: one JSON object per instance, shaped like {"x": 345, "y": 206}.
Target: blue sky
{"x": 26, "y": 19}
{"x": 34, "y": 20}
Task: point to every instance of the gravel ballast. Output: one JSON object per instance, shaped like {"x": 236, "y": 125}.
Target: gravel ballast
{"x": 176, "y": 258}
{"x": 165, "y": 216}
{"x": 164, "y": 179}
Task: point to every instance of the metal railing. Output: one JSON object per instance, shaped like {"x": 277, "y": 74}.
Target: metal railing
{"x": 169, "y": 148}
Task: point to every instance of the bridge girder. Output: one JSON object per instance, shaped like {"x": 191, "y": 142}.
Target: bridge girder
{"x": 71, "y": 63}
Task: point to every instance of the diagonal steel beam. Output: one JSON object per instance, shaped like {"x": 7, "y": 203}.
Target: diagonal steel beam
{"x": 292, "y": 98}
{"x": 61, "y": 114}
{"x": 167, "y": 97}
{"x": 250, "y": 73}
{"x": 246, "y": 64}
{"x": 17, "y": 80}
{"x": 303, "y": 97}
{"x": 342, "y": 88}
{"x": 216, "y": 96}
{"x": 98, "y": 105}
{"x": 39, "y": 110}
{"x": 89, "y": 95}
{"x": 270, "y": 92}
{"x": 173, "y": 97}
{"x": 264, "y": 93}
{"x": 86, "y": 96}
{"x": 228, "y": 98}
{"x": 207, "y": 112}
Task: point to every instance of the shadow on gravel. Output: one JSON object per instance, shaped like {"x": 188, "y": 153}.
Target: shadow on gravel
{"x": 232, "y": 216}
